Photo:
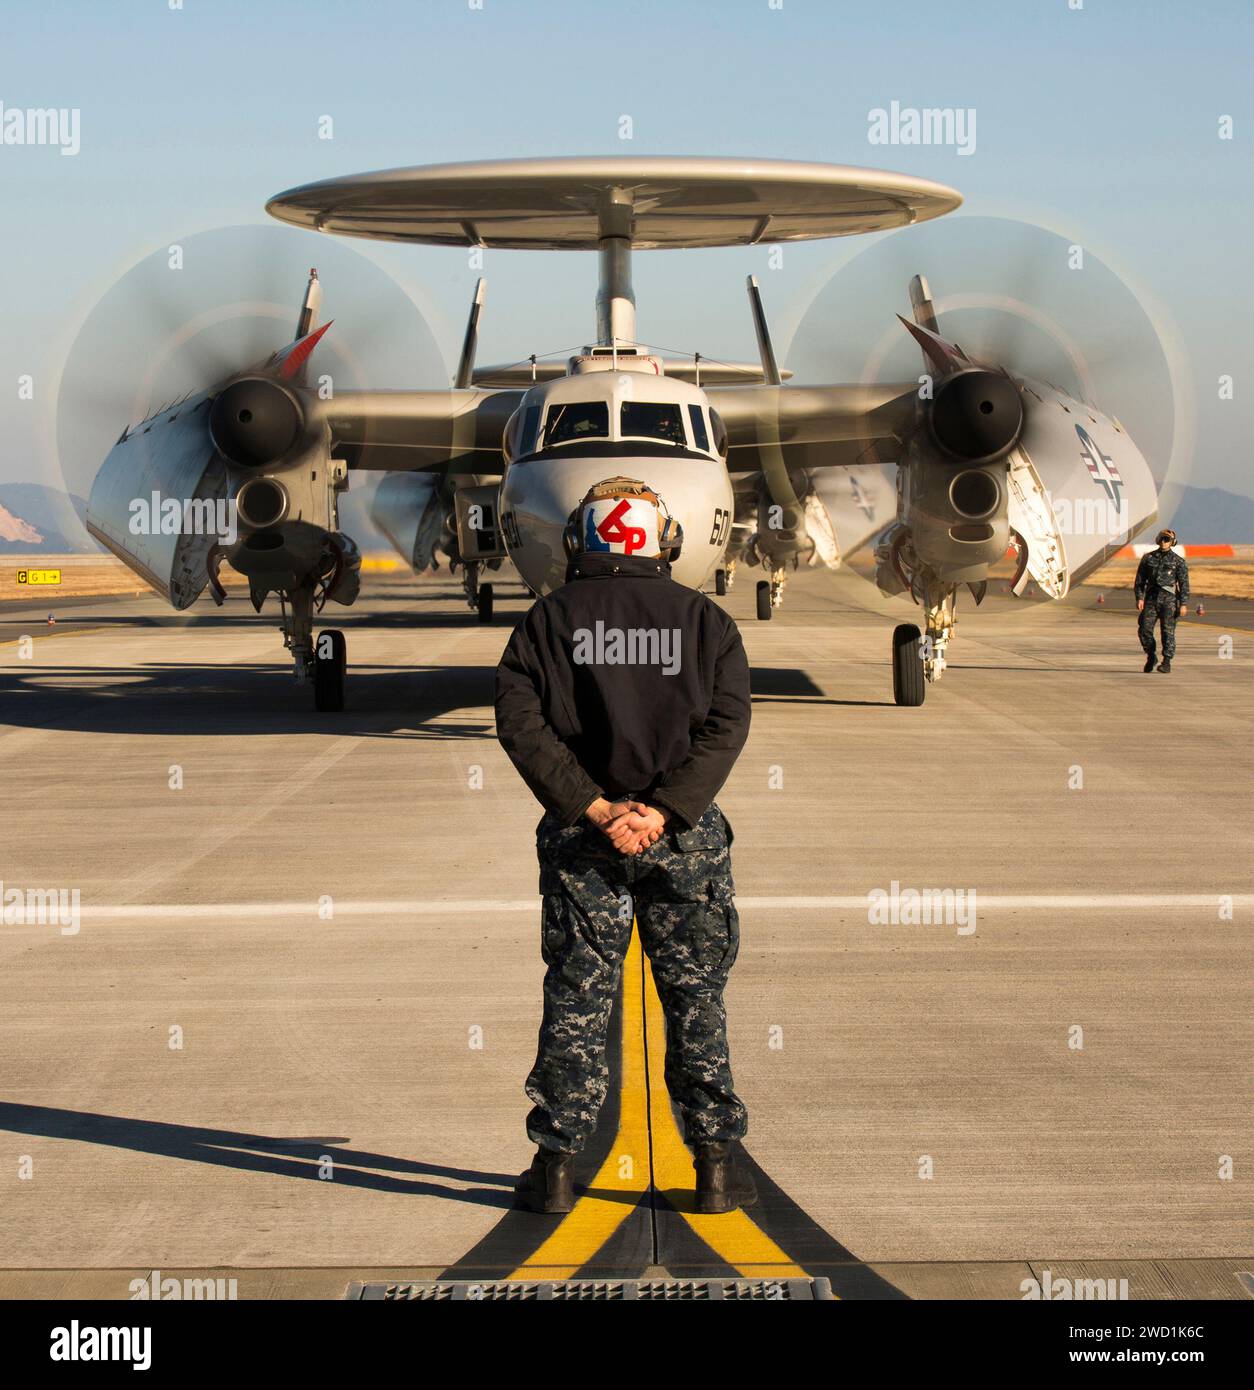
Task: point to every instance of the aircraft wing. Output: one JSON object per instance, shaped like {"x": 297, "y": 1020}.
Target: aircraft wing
{"x": 455, "y": 431}
{"x": 790, "y": 419}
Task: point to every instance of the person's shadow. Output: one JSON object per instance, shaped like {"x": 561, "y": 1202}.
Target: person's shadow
{"x": 258, "y": 1153}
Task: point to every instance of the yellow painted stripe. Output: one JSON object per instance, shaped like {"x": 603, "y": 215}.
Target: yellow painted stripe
{"x": 626, "y": 1168}
{"x": 734, "y": 1236}
{"x": 647, "y": 1134}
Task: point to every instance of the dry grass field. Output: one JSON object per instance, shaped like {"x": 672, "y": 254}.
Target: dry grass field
{"x": 1228, "y": 577}
{"x": 87, "y": 576}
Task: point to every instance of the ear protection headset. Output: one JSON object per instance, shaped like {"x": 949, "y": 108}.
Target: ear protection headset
{"x": 670, "y": 532}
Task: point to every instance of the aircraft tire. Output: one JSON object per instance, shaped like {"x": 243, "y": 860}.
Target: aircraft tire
{"x": 764, "y": 599}
{"x": 330, "y": 670}
{"x": 909, "y": 687}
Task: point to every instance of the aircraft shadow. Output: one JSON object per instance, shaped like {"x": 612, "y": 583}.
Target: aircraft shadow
{"x": 159, "y": 698}
{"x": 383, "y": 701}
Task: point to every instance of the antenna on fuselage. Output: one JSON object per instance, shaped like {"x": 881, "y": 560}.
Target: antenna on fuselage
{"x": 470, "y": 343}
{"x": 770, "y": 368}
{"x": 922, "y": 305}
{"x": 307, "y": 321}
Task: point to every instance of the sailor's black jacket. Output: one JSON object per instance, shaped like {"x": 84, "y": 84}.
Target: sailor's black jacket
{"x": 623, "y": 683}
{"x": 1159, "y": 572}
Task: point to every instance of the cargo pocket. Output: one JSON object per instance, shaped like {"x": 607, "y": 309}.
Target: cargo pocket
{"x": 722, "y": 903}
{"x": 554, "y": 917}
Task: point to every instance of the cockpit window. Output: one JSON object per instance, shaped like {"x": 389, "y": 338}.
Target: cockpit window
{"x": 698, "y": 427}
{"x": 577, "y": 420}
{"x": 720, "y": 433}
{"x": 652, "y": 420}
{"x": 527, "y": 436}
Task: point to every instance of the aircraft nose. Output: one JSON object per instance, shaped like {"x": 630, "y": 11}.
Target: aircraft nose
{"x": 539, "y": 496}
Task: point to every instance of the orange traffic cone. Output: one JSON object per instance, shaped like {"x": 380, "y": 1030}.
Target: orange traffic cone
{"x": 1201, "y": 609}
{"x": 1101, "y": 599}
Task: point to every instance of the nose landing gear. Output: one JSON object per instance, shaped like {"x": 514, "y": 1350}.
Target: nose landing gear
{"x": 770, "y": 594}
{"x": 478, "y": 596}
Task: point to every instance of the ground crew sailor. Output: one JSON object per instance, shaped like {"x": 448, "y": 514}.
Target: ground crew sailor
{"x": 1162, "y": 589}
{"x": 623, "y": 700}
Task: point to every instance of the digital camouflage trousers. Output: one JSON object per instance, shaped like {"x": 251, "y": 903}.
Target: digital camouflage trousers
{"x": 680, "y": 893}
{"x": 1164, "y": 608}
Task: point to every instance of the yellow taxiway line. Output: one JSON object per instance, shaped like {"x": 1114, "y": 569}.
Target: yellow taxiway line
{"x": 734, "y": 1236}
{"x": 625, "y": 1171}
{"x": 648, "y": 1147}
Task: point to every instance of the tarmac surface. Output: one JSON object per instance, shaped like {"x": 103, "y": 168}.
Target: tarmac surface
{"x": 284, "y": 1039}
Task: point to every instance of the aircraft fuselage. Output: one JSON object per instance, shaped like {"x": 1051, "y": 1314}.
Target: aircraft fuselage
{"x": 614, "y": 415}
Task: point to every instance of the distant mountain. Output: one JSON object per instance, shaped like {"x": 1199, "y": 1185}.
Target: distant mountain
{"x": 1206, "y": 515}
{"x": 14, "y": 531}
{"x": 34, "y": 517}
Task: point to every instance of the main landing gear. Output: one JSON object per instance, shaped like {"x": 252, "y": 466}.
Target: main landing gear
{"x": 919, "y": 658}
{"x": 770, "y": 594}
{"x": 323, "y": 663}
{"x": 908, "y": 685}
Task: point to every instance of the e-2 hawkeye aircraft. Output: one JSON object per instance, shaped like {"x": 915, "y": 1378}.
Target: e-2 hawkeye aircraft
{"x": 945, "y": 473}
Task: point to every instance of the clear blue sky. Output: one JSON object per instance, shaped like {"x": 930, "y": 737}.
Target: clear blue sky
{"x": 1101, "y": 122}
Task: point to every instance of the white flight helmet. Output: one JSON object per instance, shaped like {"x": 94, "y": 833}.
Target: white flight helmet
{"x": 623, "y": 516}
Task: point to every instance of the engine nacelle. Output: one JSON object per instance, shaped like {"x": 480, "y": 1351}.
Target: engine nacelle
{"x": 167, "y": 494}
{"x": 256, "y": 422}
{"x": 781, "y": 537}
{"x": 953, "y": 497}
{"x": 976, "y": 416}
{"x": 284, "y": 513}
{"x": 406, "y": 508}
{"x": 159, "y": 501}
{"x": 957, "y": 516}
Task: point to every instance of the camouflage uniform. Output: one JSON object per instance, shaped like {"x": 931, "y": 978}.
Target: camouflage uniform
{"x": 1157, "y": 577}
{"x": 680, "y": 889}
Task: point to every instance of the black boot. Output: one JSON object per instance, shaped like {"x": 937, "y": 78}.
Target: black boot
{"x": 1165, "y": 666}
{"x": 549, "y": 1184}
{"x": 1149, "y": 662}
{"x": 722, "y": 1184}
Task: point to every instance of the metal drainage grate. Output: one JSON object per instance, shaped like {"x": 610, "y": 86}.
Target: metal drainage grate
{"x": 593, "y": 1291}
